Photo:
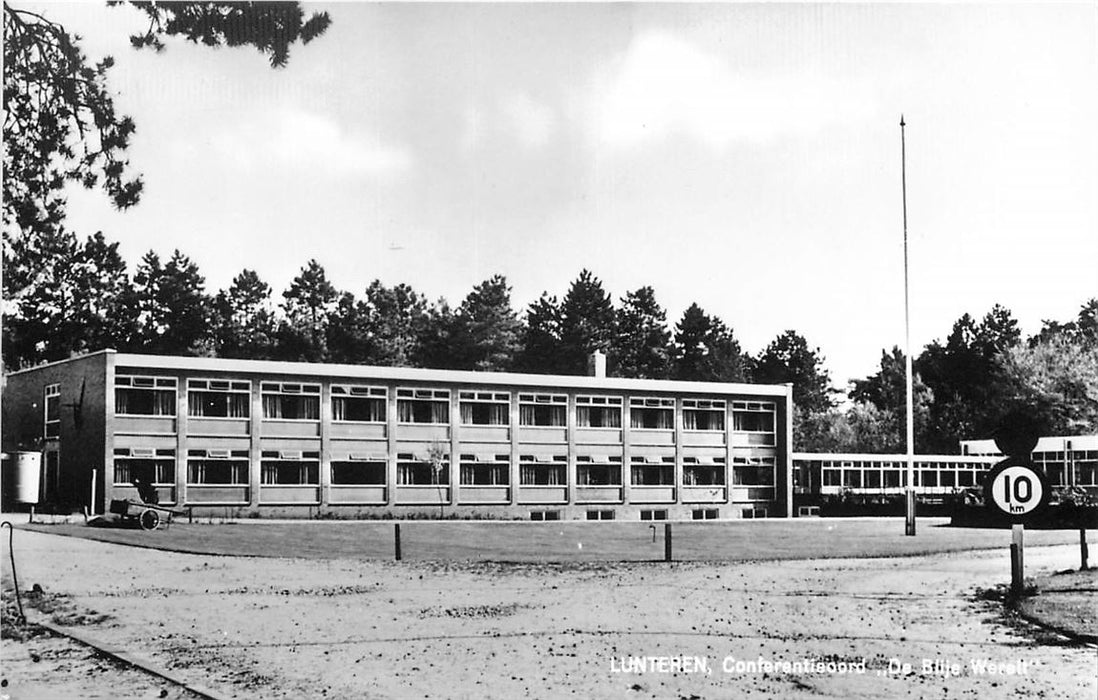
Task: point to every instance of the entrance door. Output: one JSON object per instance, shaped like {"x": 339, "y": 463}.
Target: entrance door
{"x": 51, "y": 486}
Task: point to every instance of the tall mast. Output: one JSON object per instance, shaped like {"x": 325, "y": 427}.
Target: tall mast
{"x": 909, "y": 520}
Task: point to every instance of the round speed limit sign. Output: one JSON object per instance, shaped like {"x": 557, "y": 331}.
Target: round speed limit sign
{"x": 1016, "y": 488}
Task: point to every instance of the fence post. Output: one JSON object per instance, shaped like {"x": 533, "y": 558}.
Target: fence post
{"x": 667, "y": 542}
{"x": 1083, "y": 549}
{"x": 396, "y": 536}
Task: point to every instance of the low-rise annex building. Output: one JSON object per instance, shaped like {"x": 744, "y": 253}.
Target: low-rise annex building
{"x": 299, "y": 439}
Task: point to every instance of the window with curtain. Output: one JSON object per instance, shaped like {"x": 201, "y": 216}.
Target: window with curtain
{"x": 652, "y": 414}
{"x": 359, "y": 404}
{"x": 481, "y": 471}
{"x": 700, "y": 414}
{"x": 156, "y": 466}
{"x": 546, "y": 471}
{"x": 699, "y": 473}
{"x": 753, "y": 417}
{"x": 211, "y": 468}
{"x": 545, "y": 410}
{"x": 646, "y": 472}
{"x": 210, "y": 398}
{"x": 598, "y": 411}
{"x": 428, "y": 406}
{"x": 591, "y": 473}
{"x": 291, "y": 401}
{"x": 290, "y": 472}
{"x": 485, "y": 408}
{"x": 144, "y": 396}
{"x": 412, "y": 471}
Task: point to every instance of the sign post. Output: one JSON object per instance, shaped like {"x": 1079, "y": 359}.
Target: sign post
{"x": 1016, "y": 488}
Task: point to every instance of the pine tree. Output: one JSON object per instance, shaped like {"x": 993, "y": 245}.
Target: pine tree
{"x": 641, "y": 346}
{"x": 175, "y": 311}
{"x": 587, "y": 323}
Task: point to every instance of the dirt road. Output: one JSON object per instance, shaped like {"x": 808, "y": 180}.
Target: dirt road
{"x": 283, "y": 628}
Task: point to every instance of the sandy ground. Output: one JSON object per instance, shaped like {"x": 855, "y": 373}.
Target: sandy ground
{"x": 283, "y": 628}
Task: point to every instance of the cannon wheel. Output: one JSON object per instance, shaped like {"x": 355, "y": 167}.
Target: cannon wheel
{"x": 149, "y": 519}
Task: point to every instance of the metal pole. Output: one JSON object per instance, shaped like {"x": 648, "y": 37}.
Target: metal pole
{"x": 1083, "y": 550}
{"x": 667, "y": 542}
{"x": 396, "y": 540}
{"x": 909, "y": 519}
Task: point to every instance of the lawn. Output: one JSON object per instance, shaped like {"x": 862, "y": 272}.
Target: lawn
{"x": 565, "y": 541}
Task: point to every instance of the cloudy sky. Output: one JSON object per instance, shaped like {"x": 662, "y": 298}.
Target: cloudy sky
{"x": 744, "y": 157}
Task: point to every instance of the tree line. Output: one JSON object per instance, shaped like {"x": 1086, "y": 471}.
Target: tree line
{"x": 65, "y": 297}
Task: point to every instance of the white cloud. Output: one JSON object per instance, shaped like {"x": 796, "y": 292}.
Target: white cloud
{"x": 663, "y": 85}
{"x": 531, "y": 122}
{"x": 306, "y": 143}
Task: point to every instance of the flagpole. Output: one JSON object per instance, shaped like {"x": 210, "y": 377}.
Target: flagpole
{"x": 909, "y": 520}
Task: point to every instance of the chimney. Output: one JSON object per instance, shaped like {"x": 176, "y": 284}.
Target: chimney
{"x": 596, "y": 364}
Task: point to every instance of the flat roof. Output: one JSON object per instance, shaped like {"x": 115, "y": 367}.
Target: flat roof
{"x": 414, "y": 374}
{"x": 870, "y": 457}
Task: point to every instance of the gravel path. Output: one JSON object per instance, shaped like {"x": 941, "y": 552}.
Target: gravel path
{"x": 289, "y": 628}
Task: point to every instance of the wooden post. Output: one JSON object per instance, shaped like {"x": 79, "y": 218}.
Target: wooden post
{"x": 667, "y": 542}
{"x": 396, "y": 536}
{"x": 1083, "y": 549}
{"x": 1017, "y": 564}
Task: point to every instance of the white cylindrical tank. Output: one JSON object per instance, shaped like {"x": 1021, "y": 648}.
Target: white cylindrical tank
{"x": 28, "y": 476}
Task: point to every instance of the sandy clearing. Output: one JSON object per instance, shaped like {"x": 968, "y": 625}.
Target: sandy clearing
{"x": 282, "y": 628}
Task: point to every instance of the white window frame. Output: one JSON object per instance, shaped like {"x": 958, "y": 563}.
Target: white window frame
{"x": 535, "y": 401}
{"x": 220, "y": 386}
{"x": 707, "y": 406}
{"x": 604, "y": 403}
{"x": 653, "y": 403}
{"x": 145, "y": 382}
{"x": 289, "y": 389}
{"x": 490, "y": 398}
{"x": 358, "y": 391}
{"x": 430, "y": 396}
{"x": 51, "y": 394}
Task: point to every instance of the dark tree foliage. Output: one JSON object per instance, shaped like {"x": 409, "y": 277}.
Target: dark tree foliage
{"x": 349, "y": 338}
{"x": 308, "y": 305}
{"x": 442, "y": 342}
{"x": 961, "y": 376}
{"x": 706, "y": 350}
{"x": 1084, "y": 329}
{"x": 60, "y": 123}
{"x": 788, "y": 358}
{"x": 587, "y": 323}
{"x": 641, "y": 346}
{"x": 541, "y": 343}
{"x": 175, "y": 312}
{"x": 886, "y": 391}
{"x": 486, "y": 333}
{"x": 245, "y": 325}
{"x": 270, "y": 27}
{"x": 395, "y": 319}
{"x": 76, "y": 297}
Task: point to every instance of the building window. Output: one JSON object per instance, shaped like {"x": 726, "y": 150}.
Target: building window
{"x": 604, "y": 514}
{"x": 485, "y": 408}
{"x": 604, "y": 472}
{"x": 598, "y": 411}
{"x": 485, "y": 470}
{"x": 431, "y": 406}
{"x": 52, "y": 411}
{"x": 753, "y": 471}
{"x": 703, "y": 471}
{"x": 753, "y": 416}
{"x": 217, "y": 467}
{"x": 359, "y": 404}
{"x": 144, "y": 396}
{"x": 545, "y": 515}
{"x": 212, "y": 398}
{"x": 422, "y": 472}
{"x": 156, "y": 467}
{"x": 705, "y": 514}
{"x": 356, "y": 472}
{"x": 653, "y": 515}
{"x": 544, "y": 410}
{"x": 542, "y": 470}
{"x": 653, "y": 471}
{"x": 701, "y": 414}
{"x": 290, "y": 468}
{"x": 652, "y": 414}
{"x": 286, "y": 401}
